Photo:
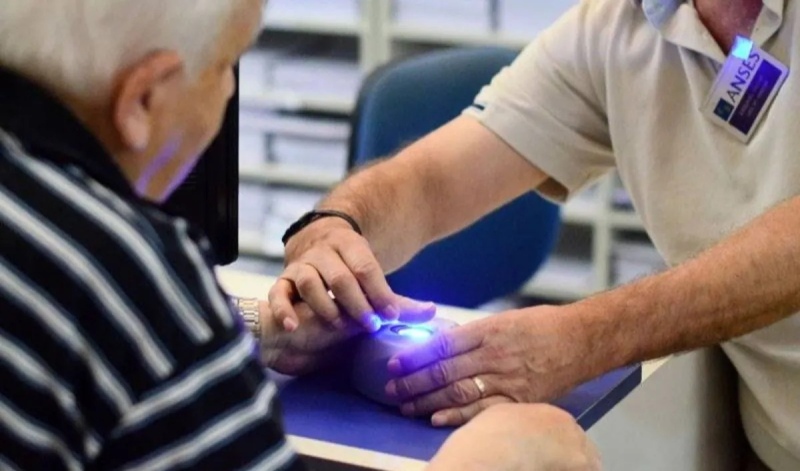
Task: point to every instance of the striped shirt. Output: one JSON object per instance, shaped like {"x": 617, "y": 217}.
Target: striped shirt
{"x": 118, "y": 349}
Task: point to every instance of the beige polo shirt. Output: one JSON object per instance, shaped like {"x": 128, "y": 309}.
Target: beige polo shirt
{"x": 616, "y": 84}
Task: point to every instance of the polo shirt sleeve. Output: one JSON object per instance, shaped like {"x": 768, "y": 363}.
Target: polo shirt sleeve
{"x": 549, "y": 105}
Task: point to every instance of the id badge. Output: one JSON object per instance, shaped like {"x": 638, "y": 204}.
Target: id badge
{"x": 744, "y": 89}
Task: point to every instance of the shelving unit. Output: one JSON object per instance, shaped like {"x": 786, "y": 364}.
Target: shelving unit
{"x": 565, "y": 277}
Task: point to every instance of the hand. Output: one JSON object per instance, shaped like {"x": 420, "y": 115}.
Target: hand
{"x": 313, "y": 345}
{"x": 530, "y": 355}
{"x": 517, "y": 437}
{"x": 328, "y": 254}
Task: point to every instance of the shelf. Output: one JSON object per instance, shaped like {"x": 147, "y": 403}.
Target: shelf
{"x": 561, "y": 278}
{"x": 314, "y": 26}
{"x": 580, "y": 211}
{"x": 542, "y": 287}
{"x": 293, "y": 101}
{"x": 271, "y": 173}
{"x": 251, "y": 244}
{"x": 271, "y": 123}
{"x": 621, "y": 219}
{"x": 433, "y": 36}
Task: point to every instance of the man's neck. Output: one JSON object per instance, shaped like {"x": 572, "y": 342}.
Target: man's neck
{"x": 725, "y": 19}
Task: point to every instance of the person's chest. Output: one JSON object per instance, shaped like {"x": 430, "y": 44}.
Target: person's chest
{"x": 725, "y": 19}
{"x": 692, "y": 182}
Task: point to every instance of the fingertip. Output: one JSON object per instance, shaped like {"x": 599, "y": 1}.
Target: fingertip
{"x": 395, "y": 367}
{"x": 391, "y": 313}
{"x": 439, "y": 419}
{"x": 391, "y": 389}
{"x": 371, "y": 323}
{"x": 290, "y": 325}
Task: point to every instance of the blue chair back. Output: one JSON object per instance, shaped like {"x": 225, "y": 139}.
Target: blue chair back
{"x": 403, "y": 101}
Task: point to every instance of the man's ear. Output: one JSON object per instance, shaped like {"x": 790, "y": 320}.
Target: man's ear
{"x": 141, "y": 91}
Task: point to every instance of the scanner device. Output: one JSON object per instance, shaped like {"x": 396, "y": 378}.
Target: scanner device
{"x": 370, "y": 372}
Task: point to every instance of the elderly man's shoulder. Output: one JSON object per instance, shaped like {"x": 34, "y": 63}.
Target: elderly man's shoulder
{"x": 96, "y": 250}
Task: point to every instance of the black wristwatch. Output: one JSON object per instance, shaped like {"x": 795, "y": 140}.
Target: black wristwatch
{"x": 315, "y": 215}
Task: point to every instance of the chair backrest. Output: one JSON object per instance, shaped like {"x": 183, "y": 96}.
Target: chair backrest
{"x": 402, "y": 102}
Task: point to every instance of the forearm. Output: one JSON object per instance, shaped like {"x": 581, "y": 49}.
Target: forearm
{"x": 387, "y": 200}
{"x": 747, "y": 282}
{"x": 437, "y": 186}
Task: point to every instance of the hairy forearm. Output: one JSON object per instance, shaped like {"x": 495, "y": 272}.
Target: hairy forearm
{"x": 749, "y": 281}
{"x": 388, "y": 201}
{"x": 435, "y": 187}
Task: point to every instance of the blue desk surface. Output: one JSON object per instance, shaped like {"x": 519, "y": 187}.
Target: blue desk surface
{"x": 325, "y": 408}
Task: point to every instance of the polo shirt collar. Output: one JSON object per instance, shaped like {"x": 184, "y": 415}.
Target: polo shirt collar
{"x": 678, "y": 22}
{"x": 49, "y": 131}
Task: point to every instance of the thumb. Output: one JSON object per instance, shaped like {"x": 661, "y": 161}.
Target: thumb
{"x": 414, "y": 312}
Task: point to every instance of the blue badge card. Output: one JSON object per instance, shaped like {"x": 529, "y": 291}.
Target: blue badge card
{"x": 745, "y": 89}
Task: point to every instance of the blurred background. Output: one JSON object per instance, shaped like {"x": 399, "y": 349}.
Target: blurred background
{"x": 299, "y": 86}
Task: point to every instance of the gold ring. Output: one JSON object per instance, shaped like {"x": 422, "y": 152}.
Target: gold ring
{"x": 480, "y": 385}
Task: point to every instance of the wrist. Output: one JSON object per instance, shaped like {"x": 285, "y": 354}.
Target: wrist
{"x": 313, "y": 234}
{"x": 317, "y": 215}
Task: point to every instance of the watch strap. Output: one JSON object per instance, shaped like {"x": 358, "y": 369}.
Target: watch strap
{"x": 316, "y": 215}
{"x": 249, "y": 310}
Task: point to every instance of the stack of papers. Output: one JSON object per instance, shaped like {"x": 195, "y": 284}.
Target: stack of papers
{"x": 328, "y": 77}
{"x": 527, "y": 18}
{"x": 460, "y": 15}
{"x": 317, "y": 155}
{"x": 253, "y": 148}
{"x": 338, "y": 11}
{"x": 564, "y": 272}
{"x": 256, "y": 65}
{"x": 254, "y": 204}
{"x": 286, "y": 205}
{"x": 300, "y": 143}
{"x": 271, "y": 122}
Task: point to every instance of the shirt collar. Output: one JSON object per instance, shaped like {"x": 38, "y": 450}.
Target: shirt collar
{"x": 658, "y": 11}
{"x": 49, "y": 131}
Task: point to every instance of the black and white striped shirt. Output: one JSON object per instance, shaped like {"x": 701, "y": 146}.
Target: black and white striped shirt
{"x": 118, "y": 350}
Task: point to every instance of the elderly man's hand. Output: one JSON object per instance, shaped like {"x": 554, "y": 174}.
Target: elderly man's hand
{"x": 518, "y": 437}
{"x": 314, "y": 344}
{"x": 328, "y": 257}
{"x": 517, "y": 356}
{"x": 306, "y": 349}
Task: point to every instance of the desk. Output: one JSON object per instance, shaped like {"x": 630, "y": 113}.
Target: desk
{"x": 677, "y": 420}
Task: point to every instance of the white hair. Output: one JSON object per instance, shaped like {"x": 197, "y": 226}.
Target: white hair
{"x": 78, "y": 46}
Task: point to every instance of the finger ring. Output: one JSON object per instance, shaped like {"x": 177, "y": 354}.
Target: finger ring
{"x": 480, "y": 385}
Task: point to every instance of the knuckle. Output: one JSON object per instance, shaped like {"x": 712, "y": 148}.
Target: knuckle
{"x": 329, "y": 312}
{"x": 462, "y": 416}
{"x": 403, "y": 388}
{"x": 366, "y": 269}
{"x": 279, "y": 308}
{"x": 440, "y": 374}
{"x": 305, "y": 281}
{"x": 444, "y": 346}
{"x": 494, "y": 353}
{"x": 459, "y": 393}
{"x": 340, "y": 280}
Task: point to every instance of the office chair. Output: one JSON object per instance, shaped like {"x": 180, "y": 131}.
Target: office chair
{"x": 402, "y": 102}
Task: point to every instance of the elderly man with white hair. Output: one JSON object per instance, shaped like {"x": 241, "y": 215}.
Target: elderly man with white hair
{"x": 118, "y": 350}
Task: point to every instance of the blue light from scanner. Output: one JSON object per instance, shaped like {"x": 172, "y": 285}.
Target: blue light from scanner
{"x": 742, "y": 47}
{"x": 416, "y": 333}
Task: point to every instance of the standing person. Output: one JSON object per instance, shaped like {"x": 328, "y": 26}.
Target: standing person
{"x": 702, "y": 128}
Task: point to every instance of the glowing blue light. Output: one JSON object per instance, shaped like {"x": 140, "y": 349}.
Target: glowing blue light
{"x": 742, "y": 47}
{"x": 414, "y": 332}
